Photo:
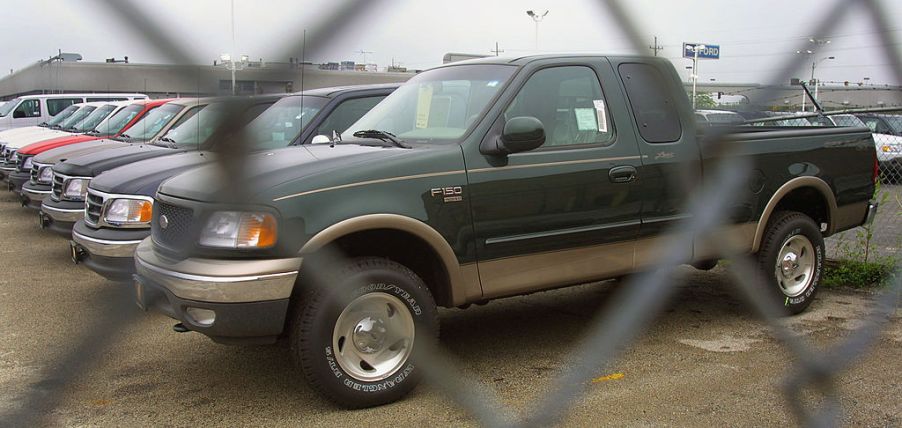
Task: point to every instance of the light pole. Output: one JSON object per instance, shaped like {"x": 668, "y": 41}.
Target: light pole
{"x": 817, "y": 43}
{"x": 233, "y": 66}
{"x": 695, "y": 50}
{"x": 816, "y": 82}
{"x": 537, "y": 18}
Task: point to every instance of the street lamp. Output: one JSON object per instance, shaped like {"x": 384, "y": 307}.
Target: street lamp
{"x": 537, "y": 18}
{"x": 233, "y": 66}
{"x": 817, "y": 43}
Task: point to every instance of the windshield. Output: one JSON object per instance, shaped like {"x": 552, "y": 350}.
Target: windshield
{"x": 8, "y": 106}
{"x": 848, "y": 120}
{"x": 724, "y": 118}
{"x": 895, "y": 123}
{"x": 153, "y": 122}
{"x": 94, "y": 118}
{"x": 440, "y": 104}
{"x": 117, "y": 121}
{"x": 196, "y": 129}
{"x": 280, "y": 124}
{"x": 61, "y": 116}
{"x": 77, "y": 117}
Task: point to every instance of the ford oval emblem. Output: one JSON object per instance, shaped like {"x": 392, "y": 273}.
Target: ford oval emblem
{"x": 164, "y": 221}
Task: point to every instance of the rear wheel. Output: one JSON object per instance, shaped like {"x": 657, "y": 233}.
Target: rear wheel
{"x": 358, "y": 332}
{"x": 791, "y": 259}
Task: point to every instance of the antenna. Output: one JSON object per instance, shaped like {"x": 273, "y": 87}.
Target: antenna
{"x": 363, "y": 52}
{"x": 497, "y": 50}
{"x": 656, "y": 47}
{"x": 301, "y": 113}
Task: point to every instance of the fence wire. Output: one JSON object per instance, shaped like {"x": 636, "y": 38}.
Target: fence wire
{"x": 638, "y": 303}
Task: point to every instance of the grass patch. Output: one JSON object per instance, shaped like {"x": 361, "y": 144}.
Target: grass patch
{"x": 857, "y": 274}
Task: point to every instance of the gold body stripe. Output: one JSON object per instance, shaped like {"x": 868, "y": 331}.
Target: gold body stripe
{"x": 364, "y": 183}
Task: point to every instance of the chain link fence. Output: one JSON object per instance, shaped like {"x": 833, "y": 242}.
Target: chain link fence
{"x": 637, "y": 303}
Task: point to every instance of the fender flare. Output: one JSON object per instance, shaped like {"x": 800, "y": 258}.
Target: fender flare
{"x": 794, "y": 184}
{"x": 397, "y": 222}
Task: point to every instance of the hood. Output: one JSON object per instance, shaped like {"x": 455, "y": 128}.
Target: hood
{"x": 25, "y": 139}
{"x": 43, "y": 146}
{"x": 94, "y": 163}
{"x": 10, "y": 133}
{"x": 144, "y": 177}
{"x": 64, "y": 153}
{"x": 281, "y": 170}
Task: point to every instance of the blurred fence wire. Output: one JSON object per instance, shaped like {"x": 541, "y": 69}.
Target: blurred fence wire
{"x": 639, "y": 302}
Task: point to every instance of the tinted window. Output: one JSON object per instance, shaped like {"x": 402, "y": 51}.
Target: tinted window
{"x": 283, "y": 122}
{"x": 28, "y": 108}
{"x": 568, "y": 102}
{"x": 56, "y": 105}
{"x": 346, "y": 114}
{"x": 654, "y": 107}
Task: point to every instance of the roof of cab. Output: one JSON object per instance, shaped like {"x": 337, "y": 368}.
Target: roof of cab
{"x": 339, "y": 90}
{"x": 523, "y": 60}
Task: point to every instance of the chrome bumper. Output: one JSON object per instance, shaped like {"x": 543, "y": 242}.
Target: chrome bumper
{"x": 106, "y": 248}
{"x": 35, "y": 195}
{"x": 219, "y": 281}
{"x": 63, "y": 215}
{"x": 872, "y": 212}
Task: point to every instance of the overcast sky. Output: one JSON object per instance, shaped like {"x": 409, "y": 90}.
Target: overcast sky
{"x": 755, "y": 35}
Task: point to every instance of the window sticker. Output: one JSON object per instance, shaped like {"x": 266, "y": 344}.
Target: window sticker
{"x": 424, "y": 103}
{"x": 585, "y": 119}
{"x": 492, "y": 84}
{"x": 602, "y": 117}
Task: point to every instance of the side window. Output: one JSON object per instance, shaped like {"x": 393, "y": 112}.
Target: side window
{"x": 343, "y": 116}
{"x": 28, "y": 108}
{"x": 569, "y": 103}
{"x": 652, "y": 100}
{"x": 255, "y": 110}
{"x": 56, "y": 105}
{"x": 188, "y": 114}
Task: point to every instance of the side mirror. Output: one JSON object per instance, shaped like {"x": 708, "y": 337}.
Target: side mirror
{"x": 320, "y": 139}
{"x": 520, "y": 134}
{"x": 18, "y": 114}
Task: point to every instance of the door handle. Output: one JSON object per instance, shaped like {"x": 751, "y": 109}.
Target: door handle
{"x": 622, "y": 174}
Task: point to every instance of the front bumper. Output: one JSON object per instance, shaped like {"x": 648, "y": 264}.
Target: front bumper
{"x": 33, "y": 195}
{"x": 62, "y": 215}
{"x": 249, "y": 297}
{"x": 112, "y": 259}
{"x": 17, "y": 179}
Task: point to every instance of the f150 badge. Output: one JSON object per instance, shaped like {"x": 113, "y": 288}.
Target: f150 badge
{"x": 449, "y": 194}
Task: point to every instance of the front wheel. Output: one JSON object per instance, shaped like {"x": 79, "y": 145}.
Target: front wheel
{"x": 358, "y": 332}
{"x": 791, "y": 259}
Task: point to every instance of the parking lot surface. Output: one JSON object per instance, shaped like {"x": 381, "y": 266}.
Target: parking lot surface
{"x": 75, "y": 351}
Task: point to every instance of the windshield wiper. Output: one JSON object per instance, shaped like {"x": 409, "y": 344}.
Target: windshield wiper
{"x": 381, "y": 135}
{"x": 170, "y": 143}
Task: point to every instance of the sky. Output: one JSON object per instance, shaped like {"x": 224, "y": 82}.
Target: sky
{"x": 755, "y": 36}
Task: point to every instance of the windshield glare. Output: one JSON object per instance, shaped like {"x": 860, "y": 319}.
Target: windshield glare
{"x": 440, "y": 104}
{"x": 77, "y": 117}
{"x": 115, "y": 123}
{"x": 94, "y": 118}
{"x": 61, "y": 116}
{"x": 280, "y": 124}
{"x": 196, "y": 129}
{"x": 9, "y": 106}
{"x": 153, "y": 122}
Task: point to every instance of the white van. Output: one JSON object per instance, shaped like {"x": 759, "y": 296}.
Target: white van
{"x": 30, "y": 110}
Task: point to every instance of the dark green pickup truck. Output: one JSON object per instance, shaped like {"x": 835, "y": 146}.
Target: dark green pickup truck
{"x": 475, "y": 181}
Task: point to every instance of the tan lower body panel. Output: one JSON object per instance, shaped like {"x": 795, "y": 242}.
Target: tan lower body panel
{"x": 535, "y": 272}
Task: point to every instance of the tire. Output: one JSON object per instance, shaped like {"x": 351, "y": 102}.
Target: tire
{"x": 791, "y": 260}
{"x": 356, "y": 335}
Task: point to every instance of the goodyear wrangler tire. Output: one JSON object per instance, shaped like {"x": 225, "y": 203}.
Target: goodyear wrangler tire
{"x": 791, "y": 259}
{"x": 358, "y": 331}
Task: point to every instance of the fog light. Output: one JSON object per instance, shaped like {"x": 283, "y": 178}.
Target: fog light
{"x": 201, "y": 317}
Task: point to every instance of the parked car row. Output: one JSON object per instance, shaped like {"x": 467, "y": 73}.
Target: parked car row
{"x": 338, "y": 219}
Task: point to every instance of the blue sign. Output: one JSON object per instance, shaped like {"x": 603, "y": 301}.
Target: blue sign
{"x": 709, "y": 51}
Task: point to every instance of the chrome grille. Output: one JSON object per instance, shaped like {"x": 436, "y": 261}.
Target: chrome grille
{"x": 20, "y": 163}
{"x": 180, "y": 221}
{"x": 35, "y": 170}
{"x": 56, "y": 190}
{"x": 93, "y": 208}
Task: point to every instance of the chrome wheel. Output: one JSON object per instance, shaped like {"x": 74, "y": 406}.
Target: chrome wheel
{"x": 373, "y": 336}
{"x": 795, "y": 265}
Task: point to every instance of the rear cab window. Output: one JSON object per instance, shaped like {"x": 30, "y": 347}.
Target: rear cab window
{"x": 56, "y": 105}
{"x": 653, "y": 106}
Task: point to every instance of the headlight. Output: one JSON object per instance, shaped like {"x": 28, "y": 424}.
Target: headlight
{"x": 45, "y": 175}
{"x": 29, "y": 162}
{"x": 76, "y": 189}
{"x": 129, "y": 211}
{"x": 234, "y": 229}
